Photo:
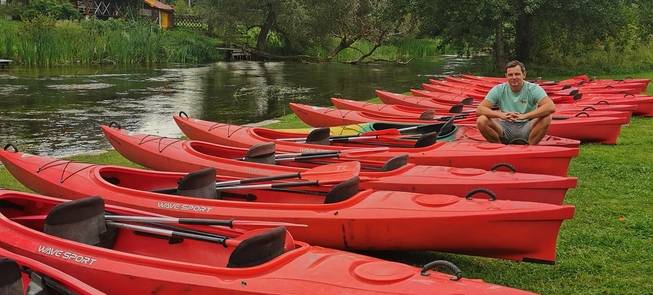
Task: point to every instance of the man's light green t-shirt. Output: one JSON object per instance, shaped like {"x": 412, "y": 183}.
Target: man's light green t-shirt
{"x": 522, "y": 102}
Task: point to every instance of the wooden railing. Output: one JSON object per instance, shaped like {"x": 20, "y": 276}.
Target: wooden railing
{"x": 191, "y": 22}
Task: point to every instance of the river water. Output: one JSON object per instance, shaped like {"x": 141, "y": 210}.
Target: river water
{"x": 57, "y": 111}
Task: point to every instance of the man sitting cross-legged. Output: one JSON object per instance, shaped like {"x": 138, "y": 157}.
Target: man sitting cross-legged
{"x": 524, "y": 109}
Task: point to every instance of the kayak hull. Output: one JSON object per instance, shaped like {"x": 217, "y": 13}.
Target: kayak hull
{"x": 187, "y": 156}
{"x": 146, "y": 264}
{"x": 503, "y": 229}
{"x": 582, "y": 126}
{"x": 464, "y": 154}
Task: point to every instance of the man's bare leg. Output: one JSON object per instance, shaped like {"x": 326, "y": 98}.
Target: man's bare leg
{"x": 539, "y": 129}
{"x": 489, "y": 129}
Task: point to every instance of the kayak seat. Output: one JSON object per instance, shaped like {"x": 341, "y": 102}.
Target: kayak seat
{"x": 259, "y": 249}
{"x": 199, "y": 184}
{"x": 10, "y": 277}
{"x": 342, "y": 191}
{"x": 395, "y": 162}
{"x": 81, "y": 221}
{"x": 261, "y": 153}
{"x": 426, "y": 139}
{"x": 319, "y": 136}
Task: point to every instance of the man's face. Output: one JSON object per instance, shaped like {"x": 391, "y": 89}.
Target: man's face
{"x": 515, "y": 76}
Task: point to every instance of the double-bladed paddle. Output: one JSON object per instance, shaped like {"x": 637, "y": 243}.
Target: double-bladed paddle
{"x": 202, "y": 221}
{"x": 324, "y": 174}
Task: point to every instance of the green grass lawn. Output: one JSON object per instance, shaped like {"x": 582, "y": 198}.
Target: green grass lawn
{"x": 606, "y": 249}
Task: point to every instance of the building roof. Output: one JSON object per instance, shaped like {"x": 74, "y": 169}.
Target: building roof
{"x": 158, "y": 5}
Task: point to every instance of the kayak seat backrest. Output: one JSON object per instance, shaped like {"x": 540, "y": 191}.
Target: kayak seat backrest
{"x": 261, "y": 153}
{"x": 81, "y": 220}
{"x": 199, "y": 184}
{"x": 342, "y": 191}
{"x": 319, "y": 136}
{"x": 426, "y": 139}
{"x": 395, "y": 163}
{"x": 43, "y": 285}
{"x": 10, "y": 277}
{"x": 259, "y": 249}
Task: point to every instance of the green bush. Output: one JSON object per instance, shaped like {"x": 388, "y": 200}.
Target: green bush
{"x": 57, "y": 9}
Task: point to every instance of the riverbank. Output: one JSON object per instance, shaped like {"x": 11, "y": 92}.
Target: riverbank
{"x": 47, "y": 42}
{"x": 605, "y": 249}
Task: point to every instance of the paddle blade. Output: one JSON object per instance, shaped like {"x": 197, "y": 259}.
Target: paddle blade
{"x": 337, "y": 172}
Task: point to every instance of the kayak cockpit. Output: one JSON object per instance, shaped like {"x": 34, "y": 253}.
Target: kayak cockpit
{"x": 203, "y": 184}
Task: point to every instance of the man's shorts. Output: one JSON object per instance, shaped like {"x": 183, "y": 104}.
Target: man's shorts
{"x": 515, "y": 132}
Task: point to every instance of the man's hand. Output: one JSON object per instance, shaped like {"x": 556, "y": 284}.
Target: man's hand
{"x": 511, "y": 117}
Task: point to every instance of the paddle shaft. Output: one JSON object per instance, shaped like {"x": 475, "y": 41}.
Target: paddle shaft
{"x": 198, "y": 221}
{"x": 258, "y": 179}
{"x": 170, "y": 233}
{"x": 269, "y": 185}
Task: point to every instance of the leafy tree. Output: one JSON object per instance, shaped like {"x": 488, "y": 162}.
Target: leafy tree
{"x": 57, "y": 9}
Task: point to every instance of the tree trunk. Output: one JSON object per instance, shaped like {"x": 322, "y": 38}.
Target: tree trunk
{"x": 344, "y": 43}
{"x": 522, "y": 35}
{"x": 499, "y": 48}
{"x": 377, "y": 44}
{"x": 265, "y": 29}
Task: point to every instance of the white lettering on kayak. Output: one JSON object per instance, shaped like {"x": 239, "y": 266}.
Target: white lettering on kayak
{"x": 182, "y": 207}
{"x": 66, "y": 255}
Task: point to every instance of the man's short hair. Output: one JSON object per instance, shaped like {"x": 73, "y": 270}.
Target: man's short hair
{"x": 514, "y": 63}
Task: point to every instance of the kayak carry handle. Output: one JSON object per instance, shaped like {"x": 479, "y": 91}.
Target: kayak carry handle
{"x": 506, "y": 165}
{"x": 582, "y": 113}
{"x": 602, "y": 102}
{"x": 115, "y": 124}
{"x": 488, "y": 192}
{"x": 183, "y": 114}
{"x": 591, "y": 108}
{"x": 628, "y": 94}
{"x": 457, "y": 273}
{"x": 9, "y": 145}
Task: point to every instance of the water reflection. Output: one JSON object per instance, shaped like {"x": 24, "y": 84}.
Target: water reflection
{"x": 57, "y": 111}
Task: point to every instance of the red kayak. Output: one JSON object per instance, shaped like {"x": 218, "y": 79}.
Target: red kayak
{"x": 424, "y": 102}
{"x": 581, "y": 126}
{"x": 133, "y": 257}
{"x": 466, "y": 154}
{"x": 21, "y": 275}
{"x": 417, "y": 112}
{"x": 170, "y": 154}
{"x": 328, "y": 117}
{"x": 343, "y": 217}
{"x": 460, "y": 133}
{"x": 581, "y": 81}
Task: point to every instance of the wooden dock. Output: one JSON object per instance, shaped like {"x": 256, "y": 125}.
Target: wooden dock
{"x": 5, "y": 62}
{"x": 233, "y": 54}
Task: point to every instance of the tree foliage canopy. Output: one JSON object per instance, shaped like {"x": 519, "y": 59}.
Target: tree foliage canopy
{"x": 549, "y": 31}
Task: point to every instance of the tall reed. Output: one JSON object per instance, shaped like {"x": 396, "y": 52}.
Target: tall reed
{"x": 46, "y": 42}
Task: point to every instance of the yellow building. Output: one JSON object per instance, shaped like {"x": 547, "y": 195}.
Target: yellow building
{"x": 161, "y": 11}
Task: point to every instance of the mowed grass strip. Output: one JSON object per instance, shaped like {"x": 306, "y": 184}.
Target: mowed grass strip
{"x": 607, "y": 248}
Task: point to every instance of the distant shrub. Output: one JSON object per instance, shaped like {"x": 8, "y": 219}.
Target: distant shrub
{"x": 56, "y": 9}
